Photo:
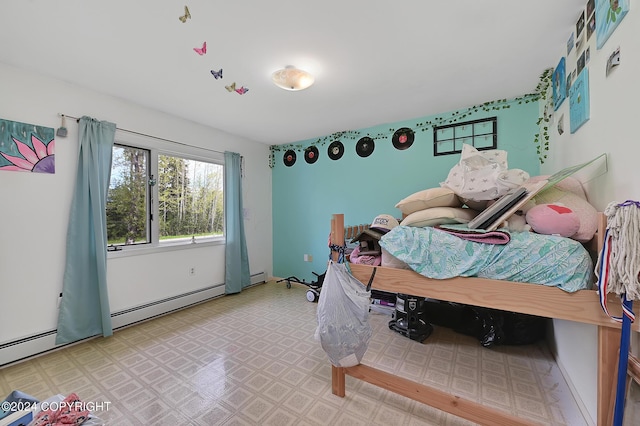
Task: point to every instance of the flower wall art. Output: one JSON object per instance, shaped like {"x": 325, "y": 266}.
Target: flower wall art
{"x": 26, "y": 147}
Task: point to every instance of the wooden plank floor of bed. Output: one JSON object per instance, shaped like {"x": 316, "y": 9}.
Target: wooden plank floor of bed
{"x": 581, "y": 306}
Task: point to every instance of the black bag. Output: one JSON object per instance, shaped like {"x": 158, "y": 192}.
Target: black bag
{"x": 490, "y": 326}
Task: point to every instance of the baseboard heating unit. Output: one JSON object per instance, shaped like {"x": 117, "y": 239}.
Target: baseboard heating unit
{"x": 42, "y": 342}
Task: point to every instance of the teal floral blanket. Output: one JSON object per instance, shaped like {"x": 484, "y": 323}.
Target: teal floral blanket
{"x": 528, "y": 257}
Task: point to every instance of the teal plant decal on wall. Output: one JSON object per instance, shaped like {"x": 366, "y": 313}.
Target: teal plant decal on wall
{"x": 541, "y": 139}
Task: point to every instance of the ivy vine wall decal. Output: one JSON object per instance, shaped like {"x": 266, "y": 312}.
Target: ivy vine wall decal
{"x": 541, "y": 139}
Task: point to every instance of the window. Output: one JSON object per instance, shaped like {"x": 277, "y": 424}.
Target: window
{"x": 158, "y": 197}
{"x": 190, "y": 203}
{"x": 128, "y": 197}
{"x": 481, "y": 134}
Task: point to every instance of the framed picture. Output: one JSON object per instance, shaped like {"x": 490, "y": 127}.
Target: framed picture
{"x": 591, "y": 26}
{"x": 579, "y": 44}
{"x": 559, "y": 84}
{"x": 591, "y": 6}
{"x": 570, "y": 44}
{"x": 26, "y": 147}
{"x": 609, "y": 13}
{"x": 580, "y": 24}
{"x": 581, "y": 62}
{"x": 579, "y": 101}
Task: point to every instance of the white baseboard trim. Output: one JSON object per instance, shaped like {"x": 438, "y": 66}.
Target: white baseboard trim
{"x": 161, "y": 307}
{"x": 258, "y": 278}
{"x": 27, "y": 347}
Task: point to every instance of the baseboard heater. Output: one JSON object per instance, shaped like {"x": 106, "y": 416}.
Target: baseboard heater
{"x": 36, "y": 344}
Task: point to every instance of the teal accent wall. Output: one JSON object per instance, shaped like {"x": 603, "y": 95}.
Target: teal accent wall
{"x": 305, "y": 196}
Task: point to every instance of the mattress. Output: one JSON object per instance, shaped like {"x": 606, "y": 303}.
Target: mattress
{"x": 528, "y": 257}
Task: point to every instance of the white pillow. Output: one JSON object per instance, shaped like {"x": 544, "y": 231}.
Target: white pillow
{"x": 439, "y": 216}
{"x": 434, "y": 197}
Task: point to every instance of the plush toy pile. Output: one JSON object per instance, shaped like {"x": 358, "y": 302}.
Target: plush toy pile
{"x": 560, "y": 210}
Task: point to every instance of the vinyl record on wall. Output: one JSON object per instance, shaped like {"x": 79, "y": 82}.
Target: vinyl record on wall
{"x": 311, "y": 154}
{"x": 289, "y": 158}
{"x": 335, "y": 150}
{"x": 365, "y": 146}
{"x": 403, "y": 138}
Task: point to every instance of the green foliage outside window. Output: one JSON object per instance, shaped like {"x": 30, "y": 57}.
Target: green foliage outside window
{"x": 186, "y": 199}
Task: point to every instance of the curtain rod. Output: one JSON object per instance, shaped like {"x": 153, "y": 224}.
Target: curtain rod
{"x": 150, "y": 136}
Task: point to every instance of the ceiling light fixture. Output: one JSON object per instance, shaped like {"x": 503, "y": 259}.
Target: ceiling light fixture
{"x": 291, "y": 78}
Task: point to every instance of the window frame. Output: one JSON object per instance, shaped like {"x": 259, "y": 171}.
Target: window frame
{"x": 493, "y": 134}
{"x": 157, "y": 147}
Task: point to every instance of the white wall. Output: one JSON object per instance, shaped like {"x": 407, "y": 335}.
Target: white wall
{"x": 615, "y": 113}
{"x": 34, "y": 208}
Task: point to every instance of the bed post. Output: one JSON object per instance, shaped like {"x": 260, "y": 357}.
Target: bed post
{"x": 337, "y": 234}
{"x": 608, "y": 348}
{"x": 337, "y": 238}
{"x": 338, "y": 381}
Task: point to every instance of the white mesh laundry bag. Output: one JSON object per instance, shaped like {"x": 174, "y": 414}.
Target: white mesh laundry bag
{"x": 343, "y": 310}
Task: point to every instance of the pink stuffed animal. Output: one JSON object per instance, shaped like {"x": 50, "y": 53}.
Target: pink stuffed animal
{"x": 553, "y": 219}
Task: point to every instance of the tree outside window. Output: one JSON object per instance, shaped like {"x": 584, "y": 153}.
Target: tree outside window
{"x": 183, "y": 204}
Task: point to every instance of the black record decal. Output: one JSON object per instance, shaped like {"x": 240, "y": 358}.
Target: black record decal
{"x": 289, "y": 158}
{"x": 365, "y": 146}
{"x": 403, "y": 138}
{"x": 311, "y": 154}
{"x": 335, "y": 150}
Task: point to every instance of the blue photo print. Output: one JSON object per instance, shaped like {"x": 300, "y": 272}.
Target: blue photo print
{"x": 559, "y": 84}
{"x": 579, "y": 108}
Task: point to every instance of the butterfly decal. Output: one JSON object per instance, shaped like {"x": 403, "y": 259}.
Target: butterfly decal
{"x": 186, "y": 15}
{"x": 201, "y": 51}
{"x": 232, "y": 88}
{"x": 217, "y": 74}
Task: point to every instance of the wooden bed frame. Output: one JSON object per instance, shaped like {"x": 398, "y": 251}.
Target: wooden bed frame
{"x": 582, "y": 306}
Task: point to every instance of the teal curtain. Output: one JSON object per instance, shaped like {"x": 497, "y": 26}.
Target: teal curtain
{"x": 84, "y": 309}
{"x": 237, "y": 274}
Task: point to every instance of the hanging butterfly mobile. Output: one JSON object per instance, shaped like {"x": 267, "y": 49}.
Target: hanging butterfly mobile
{"x": 186, "y": 15}
{"x": 217, "y": 74}
{"x": 201, "y": 50}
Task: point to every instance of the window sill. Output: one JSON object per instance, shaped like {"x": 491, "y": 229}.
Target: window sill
{"x": 162, "y": 248}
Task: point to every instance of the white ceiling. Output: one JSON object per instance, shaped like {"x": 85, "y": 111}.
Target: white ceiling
{"x": 375, "y": 61}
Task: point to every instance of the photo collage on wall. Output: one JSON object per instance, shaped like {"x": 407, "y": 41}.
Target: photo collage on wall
{"x": 595, "y": 23}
